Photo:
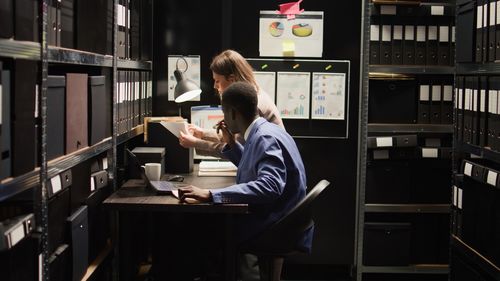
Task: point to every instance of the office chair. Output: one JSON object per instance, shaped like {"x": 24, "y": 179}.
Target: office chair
{"x": 281, "y": 238}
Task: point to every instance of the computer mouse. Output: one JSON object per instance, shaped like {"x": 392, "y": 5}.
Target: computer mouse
{"x": 176, "y": 178}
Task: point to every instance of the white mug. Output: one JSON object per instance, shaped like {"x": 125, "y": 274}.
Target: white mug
{"x": 153, "y": 171}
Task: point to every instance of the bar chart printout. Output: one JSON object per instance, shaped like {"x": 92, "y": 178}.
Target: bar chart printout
{"x": 328, "y": 96}
{"x": 293, "y": 94}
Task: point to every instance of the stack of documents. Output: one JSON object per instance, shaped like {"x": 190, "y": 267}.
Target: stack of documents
{"x": 217, "y": 168}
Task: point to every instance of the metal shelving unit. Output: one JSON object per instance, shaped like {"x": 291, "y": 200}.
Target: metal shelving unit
{"x": 136, "y": 131}
{"x": 410, "y": 128}
{"x": 132, "y": 64}
{"x": 482, "y": 152}
{"x": 408, "y": 208}
{"x": 412, "y": 269}
{"x": 478, "y": 68}
{"x": 412, "y": 69}
{"x": 476, "y": 257}
{"x": 72, "y": 56}
{"x": 19, "y": 49}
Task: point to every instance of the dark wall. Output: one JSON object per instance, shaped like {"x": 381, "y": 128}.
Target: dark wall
{"x": 205, "y": 28}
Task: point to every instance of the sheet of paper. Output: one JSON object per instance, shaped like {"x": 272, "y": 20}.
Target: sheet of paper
{"x": 192, "y": 72}
{"x": 305, "y": 31}
{"x": 205, "y": 116}
{"x": 293, "y": 94}
{"x": 267, "y": 82}
{"x": 217, "y": 166}
{"x": 175, "y": 127}
{"x": 328, "y": 96}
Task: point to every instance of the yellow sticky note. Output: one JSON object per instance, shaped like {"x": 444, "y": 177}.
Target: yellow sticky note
{"x": 288, "y": 48}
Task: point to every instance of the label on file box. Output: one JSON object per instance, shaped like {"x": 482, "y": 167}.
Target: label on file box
{"x": 16, "y": 235}
{"x": 453, "y": 34}
{"x": 433, "y": 33}
{"x": 384, "y": 142}
{"x": 92, "y": 183}
{"x": 485, "y": 15}
{"x": 104, "y": 163}
{"x": 374, "y": 32}
{"x": 437, "y": 10}
{"x": 460, "y": 98}
{"x": 455, "y": 195}
{"x": 444, "y": 34}
{"x": 424, "y": 92}
{"x": 474, "y": 100}
{"x": 56, "y": 184}
{"x": 479, "y": 17}
{"x": 436, "y": 92}
{"x": 386, "y": 33}
{"x": 468, "y": 169}
{"x": 491, "y": 179}
{"x": 36, "y": 101}
{"x": 492, "y": 13}
{"x": 429, "y": 152}
{"x": 40, "y": 267}
{"x": 421, "y": 33}
{"x": 447, "y": 93}
{"x": 492, "y": 101}
{"x": 459, "y": 199}
{"x": 1, "y": 97}
{"x": 498, "y": 13}
{"x": 398, "y": 32}
{"x": 388, "y": 10}
{"x": 409, "y": 32}
{"x": 482, "y": 97}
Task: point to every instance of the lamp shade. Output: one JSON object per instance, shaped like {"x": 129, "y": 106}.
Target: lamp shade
{"x": 185, "y": 89}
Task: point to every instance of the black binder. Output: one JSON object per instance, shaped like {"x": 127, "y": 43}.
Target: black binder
{"x": 98, "y": 115}
{"x": 424, "y": 104}
{"x": 475, "y": 111}
{"x": 497, "y": 35}
{"x": 459, "y": 107}
{"x": 420, "y": 45}
{"x": 483, "y": 114}
{"x": 479, "y": 30}
{"x": 397, "y": 44}
{"x": 59, "y": 264}
{"x": 26, "y": 20}
{"x": 432, "y": 45}
{"x": 98, "y": 219}
{"x": 23, "y": 117}
{"x": 7, "y": 19}
{"x": 79, "y": 227}
{"x": 435, "y": 107}
{"x": 67, "y": 24}
{"x": 56, "y": 104}
{"x": 135, "y": 29}
{"x": 146, "y": 24}
{"x": 5, "y": 152}
{"x": 494, "y": 118}
{"x": 444, "y": 45}
{"x": 93, "y": 16}
{"x": 58, "y": 211}
{"x": 485, "y": 30}
{"x": 385, "y": 44}
{"x": 122, "y": 30}
{"x": 52, "y": 23}
{"x": 492, "y": 30}
{"x": 467, "y": 109}
{"x": 375, "y": 43}
{"x": 447, "y": 105}
{"x": 409, "y": 45}
{"x": 465, "y": 30}
{"x": 80, "y": 188}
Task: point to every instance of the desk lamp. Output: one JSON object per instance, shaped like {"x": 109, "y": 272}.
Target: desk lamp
{"x": 185, "y": 89}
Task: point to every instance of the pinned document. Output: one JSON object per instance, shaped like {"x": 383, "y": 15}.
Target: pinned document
{"x": 288, "y": 48}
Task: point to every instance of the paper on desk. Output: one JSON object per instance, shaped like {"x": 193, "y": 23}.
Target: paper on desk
{"x": 175, "y": 127}
{"x": 175, "y": 193}
{"x": 219, "y": 166}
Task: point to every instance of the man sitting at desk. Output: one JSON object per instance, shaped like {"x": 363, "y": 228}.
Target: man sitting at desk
{"x": 271, "y": 176}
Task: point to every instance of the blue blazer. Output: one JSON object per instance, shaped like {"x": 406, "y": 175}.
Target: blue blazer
{"x": 271, "y": 178}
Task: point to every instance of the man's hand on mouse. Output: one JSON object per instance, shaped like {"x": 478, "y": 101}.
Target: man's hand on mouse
{"x": 192, "y": 194}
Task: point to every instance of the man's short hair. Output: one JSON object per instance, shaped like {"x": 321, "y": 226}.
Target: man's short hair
{"x": 241, "y": 96}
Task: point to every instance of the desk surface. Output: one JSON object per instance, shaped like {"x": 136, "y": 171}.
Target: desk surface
{"x": 134, "y": 196}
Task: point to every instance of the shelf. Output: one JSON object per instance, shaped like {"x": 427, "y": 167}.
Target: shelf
{"x": 101, "y": 258}
{"x": 412, "y": 69}
{"x": 474, "y": 256}
{"x": 19, "y": 49}
{"x": 408, "y": 208}
{"x": 139, "y": 130}
{"x": 13, "y": 186}
{"x": 71, "y": 56}
{"x": 478, "y": 68}
{"x": 131, "y": 64}
{"x": 66, "y": 162}
{"x": 409, "y": 128}
{"x": 482, "y": 152}
{"x": 417, "y": 268}
{"x": 411, "y": 2}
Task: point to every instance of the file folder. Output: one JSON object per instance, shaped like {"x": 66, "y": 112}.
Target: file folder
{"x": 424, "y": 104}
{"x": 52, "y": 23}
{"x": 409, "y": 45}
{"x": 67, "y": 12}
{"x": 482, "y": 111}
{"x": 96, "y": 15}
{"x": 23, "y": 117}
{"x": 146, "y": 29}
{"x": 386, "y": 99}
{"x": 26, "y": 20}
{"x": 444, "y": 45}
{"x": 485, "y": 30}
{"x": 79, "y": 227}
{"x": 479, "y": 31}
{"x": 465, "y": 30}
{"x": 492, "y": 30}
{"x": 7, "y": 19}
{"x": 5, "y": 147}
{"x": 374, "y": 44}
{"x": 459, "y": 107}
{"x": 492, "y": 112}
{"x": 432, "y": 45}
{"x": 76, "y": 112}
{"x": 55, "y": 116}
{"x": 98, "y": 220}
{"x": 494, "y": 142}
{"x": 121, "y": 36}
{"x": 497, "y": 31}
{"x": 453, "y": 46}
{"x": 98, "y": 180}
{"x": 59, "y": 264}
{"x": 447, "y": 105}
{"x": 99, "y": 113}
{"x": 435, "y": 108}
{"x": 397, "y": 44}
{"x": 385, "y": 45}
{"x": 420, "y": 45}
{"x": 475, "y": 111}
{"x": 135, "y": 28}
{"x": 467, "y": 110}
{"x": 80, "y": 188}
{"x": 58, "y": 211}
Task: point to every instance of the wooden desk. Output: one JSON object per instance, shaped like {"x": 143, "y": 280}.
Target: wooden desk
{"x": 134, "y": 196}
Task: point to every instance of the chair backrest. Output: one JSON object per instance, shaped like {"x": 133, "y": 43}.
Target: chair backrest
{"x": 283, "y": 235}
